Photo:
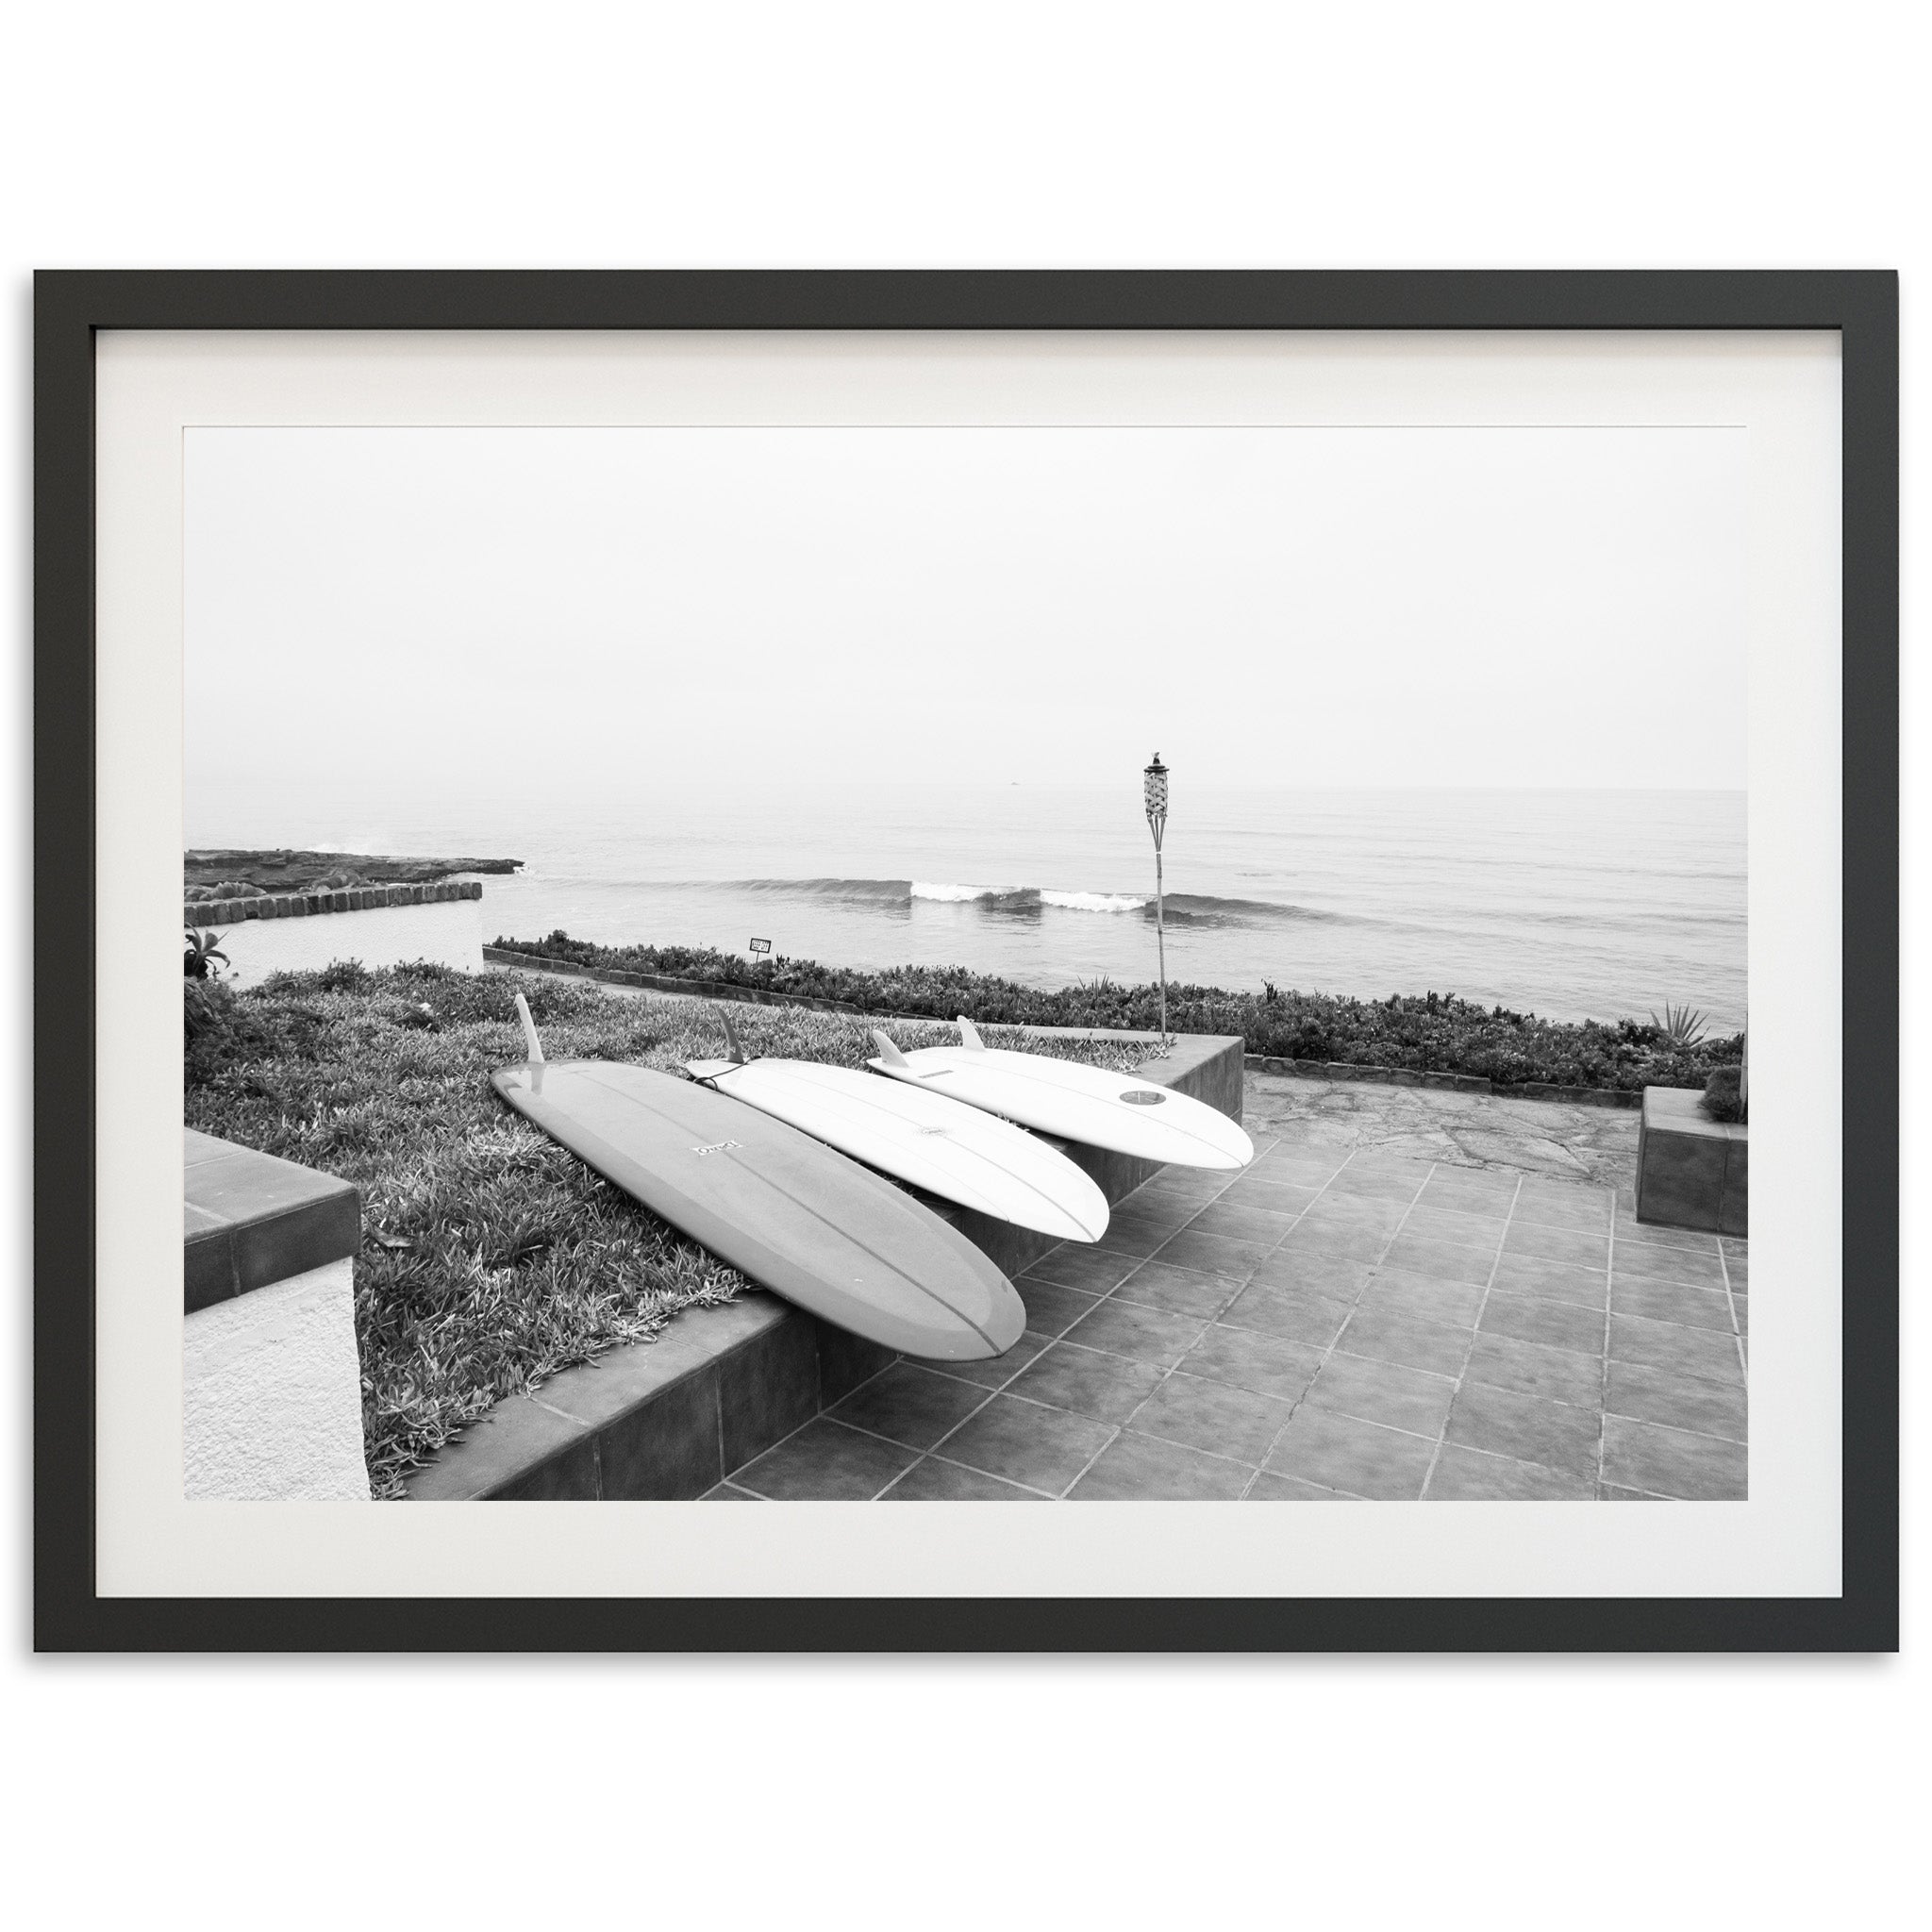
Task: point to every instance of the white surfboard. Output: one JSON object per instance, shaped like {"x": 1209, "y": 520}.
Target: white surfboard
{"x": 1077, "y": 1102}
{"x": 954, "y": 1151}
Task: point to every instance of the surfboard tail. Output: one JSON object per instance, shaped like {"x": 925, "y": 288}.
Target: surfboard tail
{"x": 969, "y": 1035}
{"x": 887, "y": 1052}
{"x": 530, "y": 1039}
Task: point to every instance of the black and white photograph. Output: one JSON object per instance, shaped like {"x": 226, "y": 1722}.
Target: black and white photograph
{"x": 924, "y": 963}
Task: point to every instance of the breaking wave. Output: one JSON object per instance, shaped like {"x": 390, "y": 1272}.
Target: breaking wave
{"x": 1184, "y": 908}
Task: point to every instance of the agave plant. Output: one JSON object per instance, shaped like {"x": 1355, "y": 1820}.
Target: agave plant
{"x": 200, "y": 951}
{"x": 1683, "y": 1026}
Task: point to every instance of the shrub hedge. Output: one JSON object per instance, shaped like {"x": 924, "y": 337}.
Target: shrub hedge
{"x": 1427, "y": 1032}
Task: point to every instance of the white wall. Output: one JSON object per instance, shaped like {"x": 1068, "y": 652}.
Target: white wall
{"x": 449, "y": 933}
{"x": 271, "y": 1407}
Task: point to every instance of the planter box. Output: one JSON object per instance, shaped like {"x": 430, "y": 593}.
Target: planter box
{"x": 1691, "y": 1171}
{"x": 271, "y": 1384}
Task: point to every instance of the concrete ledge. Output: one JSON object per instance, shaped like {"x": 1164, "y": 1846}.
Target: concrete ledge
{"x": 670, "y": 1419}
{"x": 251, "y": 1219}
{"x": 1691, "y": 1171}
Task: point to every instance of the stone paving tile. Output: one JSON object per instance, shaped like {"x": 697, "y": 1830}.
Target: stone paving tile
{"x": 1551, "y": 1281}
{"x": 1252, "y": 1190}
{"x": 1666, "y": 1301}
{"x": 1573, "y": 1247}
{"x": 1396, "y": 1290}
{"x": 1334, "y": 1216}
{"x": 1178, "y": 1187}
{"x": 730, "y": 1493}
{"x": 825, "y": 1463}
{"x": 1679, "y": 1402}
{"x": 1073, "y": 1264}
{"x": 1444, "y": 1261}
{"x": 1340, "y": 1451}
{"x": 1406, "y": 1341}
{"x": 1399, "y": 1185}
{"x": 1471, "y": 1476}
{"x": 908, "y": 1405}
{"x": 1530, "y": 1368}
{"x": 1743, "y": 1310}
{"x": 1106, "y": 1386}
{"x": 1297, "y": 1271}
{"x": 1655, "y": 1232}
{"x": 1694, "y": 1267}
{"x": 1673, "y": 1462}
{"x": 1137, "y": 1469}
{"x": 1292, "y": 1314}
{"x": 1704, "y": 1352}
{"x": 1052, "y": 1310}
{"x": 1383, "y": 1393}
{"x": 1212, "y": 1254}
{"x": 1555, "y": 1324}
{"x": 1211, "y": 1416}
{"x": 1248, "y": 1358}
{"x": 1557, "y": 1204}
{"x": 1180, "y": 1291}
{"x": 1527, "y": 1427}
{"x": 930, "y": 1480}
{"x": 1263, "y": 1225}
{"x": 1291, "y": 1489}
{"x": 1143, "y": 1334}
{"x": 1451, "y": 1225}
{"x": 1288, "y": 1167}
{"x": 1040, "y": 1448}
{"x": 1470, "y": 1190}
{"x": 1137, "y": 1236}
{"x": 1001, "y": 1370}
{"x": 1613, "y": 1492}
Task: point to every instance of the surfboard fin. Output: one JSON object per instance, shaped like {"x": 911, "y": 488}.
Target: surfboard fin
{"x": 887, "y": 1052}
{"x": 732, "y": 1044}
{"x": 969, "y": 1035}
{"x": 530, "y": 1039}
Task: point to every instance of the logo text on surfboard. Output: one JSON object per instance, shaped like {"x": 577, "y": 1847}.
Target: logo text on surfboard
{"x": 717, "y": 1147}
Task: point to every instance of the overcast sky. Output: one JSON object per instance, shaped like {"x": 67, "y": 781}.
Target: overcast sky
{"x": 584, "y": 609}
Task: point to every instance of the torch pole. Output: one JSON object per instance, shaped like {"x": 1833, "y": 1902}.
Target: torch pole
{"x": 1160, "y": 939}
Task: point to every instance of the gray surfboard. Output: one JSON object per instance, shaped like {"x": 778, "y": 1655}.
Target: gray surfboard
{"x": 785, "y": 1210}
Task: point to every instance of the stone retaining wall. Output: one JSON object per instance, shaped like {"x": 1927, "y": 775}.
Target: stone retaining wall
{"x": 200, "y": 912}
{"x": 1459, "y": 1083}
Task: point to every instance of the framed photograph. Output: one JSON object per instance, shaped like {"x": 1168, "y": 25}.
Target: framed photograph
{"x": 1169, "y": 891}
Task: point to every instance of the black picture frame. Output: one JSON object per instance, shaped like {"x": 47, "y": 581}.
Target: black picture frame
{"x": 71, "y": 307}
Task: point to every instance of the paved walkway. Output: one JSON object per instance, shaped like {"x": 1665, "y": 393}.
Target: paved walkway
{"x": 1409, "y": 1294}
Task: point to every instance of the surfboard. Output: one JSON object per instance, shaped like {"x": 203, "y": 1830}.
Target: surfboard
{"x": 1077, "y": 1102}
{"x": 792, "y": 1213}
{"x": 952, "y": 1150}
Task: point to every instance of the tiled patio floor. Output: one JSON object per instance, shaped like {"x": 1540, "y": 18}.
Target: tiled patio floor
{"x": 1353, "y": 1317}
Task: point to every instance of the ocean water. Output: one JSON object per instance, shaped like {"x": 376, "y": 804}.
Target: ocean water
{"x": 1568, "y": 904}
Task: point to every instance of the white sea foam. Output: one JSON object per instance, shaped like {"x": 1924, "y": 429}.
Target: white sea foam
{"x": 1093, "y": 902}
{"x": 926, "y": 889}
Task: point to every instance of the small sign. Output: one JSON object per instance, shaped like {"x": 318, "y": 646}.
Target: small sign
{"x": 761, "y": 945}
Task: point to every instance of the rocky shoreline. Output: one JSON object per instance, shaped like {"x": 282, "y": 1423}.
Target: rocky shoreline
{"x": 217, "y": 872}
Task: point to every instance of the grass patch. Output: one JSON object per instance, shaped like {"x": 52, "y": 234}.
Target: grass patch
{"x": 1427, "y": 1032}
{"x": 492, "y": 1258}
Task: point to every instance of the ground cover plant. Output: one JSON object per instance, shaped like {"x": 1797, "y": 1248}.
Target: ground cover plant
{"x": 1425, "y": 1032}
{"x": 491, "y": 1258}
